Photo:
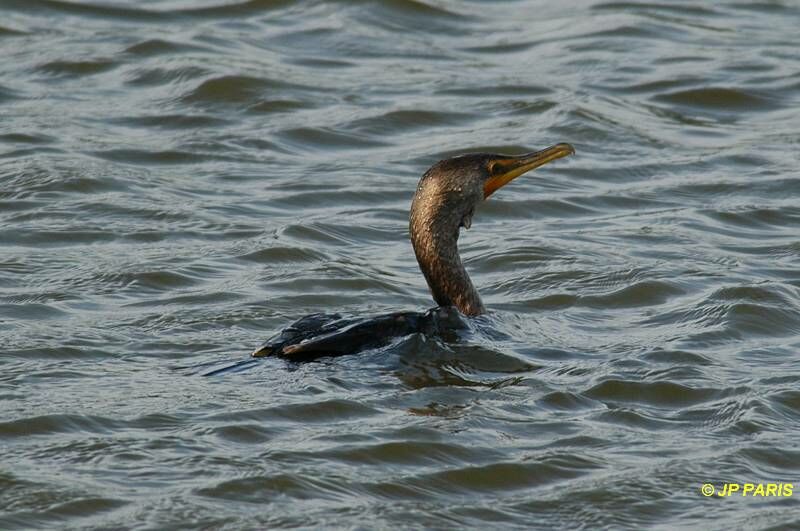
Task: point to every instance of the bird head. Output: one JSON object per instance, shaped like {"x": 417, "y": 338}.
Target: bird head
{"x": 456, "y": 185}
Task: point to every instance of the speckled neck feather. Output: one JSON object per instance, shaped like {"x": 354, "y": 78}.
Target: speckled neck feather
{"x": 436, "y": 215}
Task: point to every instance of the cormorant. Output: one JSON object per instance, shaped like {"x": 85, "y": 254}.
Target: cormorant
{"x": 444, "y": 202}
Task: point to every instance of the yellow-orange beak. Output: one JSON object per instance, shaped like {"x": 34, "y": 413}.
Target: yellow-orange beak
{"x": 504, "y": 170}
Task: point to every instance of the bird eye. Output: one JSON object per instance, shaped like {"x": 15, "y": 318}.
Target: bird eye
{"x": 495, "y": 168}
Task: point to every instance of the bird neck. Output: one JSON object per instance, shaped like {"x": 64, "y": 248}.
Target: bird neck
{"x": 434, "y": 236}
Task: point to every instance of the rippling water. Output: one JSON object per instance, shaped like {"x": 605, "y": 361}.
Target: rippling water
{"x": 181, "y": 179}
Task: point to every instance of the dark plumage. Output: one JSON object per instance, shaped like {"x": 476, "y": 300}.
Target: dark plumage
{"x": 444, "y": 202}
{"x": 320, "y": 335}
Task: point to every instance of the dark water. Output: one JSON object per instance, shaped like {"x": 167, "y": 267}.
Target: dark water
{"x": 179, "y": 180}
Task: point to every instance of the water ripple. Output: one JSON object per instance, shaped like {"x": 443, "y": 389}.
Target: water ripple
{"x": 182, "y": 179}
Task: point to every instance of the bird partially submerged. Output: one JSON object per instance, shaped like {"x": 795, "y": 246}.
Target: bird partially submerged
{"x": 444, "y": 202}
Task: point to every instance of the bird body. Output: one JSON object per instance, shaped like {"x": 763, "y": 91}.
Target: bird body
{"x": 444, "y": 202}
{"x": 319, "y": 335}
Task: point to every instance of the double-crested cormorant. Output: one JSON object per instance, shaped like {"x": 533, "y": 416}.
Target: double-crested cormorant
{"x": 445, "y": 201}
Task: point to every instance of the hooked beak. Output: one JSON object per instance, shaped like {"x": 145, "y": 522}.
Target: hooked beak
{"x": 504, "y": 170}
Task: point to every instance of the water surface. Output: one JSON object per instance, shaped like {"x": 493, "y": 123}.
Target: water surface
{"x": 181, "y": 179}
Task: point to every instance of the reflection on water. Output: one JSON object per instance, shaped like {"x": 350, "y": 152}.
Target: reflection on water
{"x": 182, "y": 179}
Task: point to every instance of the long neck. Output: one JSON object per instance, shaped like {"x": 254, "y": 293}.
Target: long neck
{"x": 434, "y": 236}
